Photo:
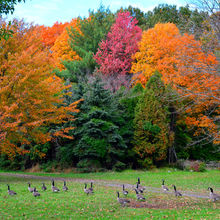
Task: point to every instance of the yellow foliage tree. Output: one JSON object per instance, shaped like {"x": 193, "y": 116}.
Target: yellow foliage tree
{"x": 30, "y": 94}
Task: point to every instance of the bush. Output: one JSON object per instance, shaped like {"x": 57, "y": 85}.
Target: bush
{"x": 87, "y": 163}
{"x": 50, "y": 166}
{"x": 119, "y": 166}
{"x": 196, "y": 166}
{"x": 146, "y": 163}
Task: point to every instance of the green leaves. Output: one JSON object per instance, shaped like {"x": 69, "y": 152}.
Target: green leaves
{"x": 97, "y": 134}
{"x": 151, "y": 123}
{"x": 86, "y": 42}
{"x": 7, "y": 6}
{"x": 5, "y": 34}
{"x": 155, "y": 129}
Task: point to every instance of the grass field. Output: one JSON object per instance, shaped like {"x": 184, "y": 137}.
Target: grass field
{"x": 75, "y": 204}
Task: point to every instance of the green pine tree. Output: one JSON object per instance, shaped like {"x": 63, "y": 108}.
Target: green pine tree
{"x": 151, "y": 123}
{"x": 93, "y": 30}
{"x": 97, "y": 134}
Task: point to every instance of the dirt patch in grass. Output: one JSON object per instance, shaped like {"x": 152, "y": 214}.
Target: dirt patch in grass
{"x": 158, "y": 204}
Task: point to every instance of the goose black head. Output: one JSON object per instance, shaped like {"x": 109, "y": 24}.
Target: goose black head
{"x": 211, "y": 190}
{"x": 117, "y": 194}
{"x": 139, "y": 182}
{"x": 174, "y": 187}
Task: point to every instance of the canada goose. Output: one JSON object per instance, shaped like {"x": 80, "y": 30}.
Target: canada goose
{"x": 124, "y": 191}
{"x": 139, "y": 190}
{"x": 30, "y": 189}
{"x": 10, "y": 192}
{"x": 139, "y": 196}
{"x": 44, "y": 188}
{"x": 65, "y": 188}
{"x": 177, "y": 193}
{"x": 122, "y": 201}
{"x": 142, "y": 188}
{"x": 91, "y": 187}
{"x": 35, "y": 193}
{"x": 163, "y": 186}
{"x": 54, "y": 188}
{"x": 87, "y": 191}
{"x": 213, "y": 196}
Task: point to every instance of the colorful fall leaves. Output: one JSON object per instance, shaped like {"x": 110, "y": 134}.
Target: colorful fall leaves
{"x": 61, "y": 49}
{"x": 114, "y": 54}
{"x": 184, "y": 65}
{"x": 30, "y": 94}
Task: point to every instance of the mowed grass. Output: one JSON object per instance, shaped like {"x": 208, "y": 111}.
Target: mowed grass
{"x": 184, "y": 180}
{"x": 75, "y": 204}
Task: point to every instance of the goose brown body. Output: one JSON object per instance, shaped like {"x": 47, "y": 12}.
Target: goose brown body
{"x": 177, "y": 193}
{"x": 122, "y": 201}
{"x": 11, "y": 192}
{"x": 213, "y": 196}
{"x": 164, "y": 188}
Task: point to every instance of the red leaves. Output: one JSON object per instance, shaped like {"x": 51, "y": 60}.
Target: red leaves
{"x": 114, "y": 55}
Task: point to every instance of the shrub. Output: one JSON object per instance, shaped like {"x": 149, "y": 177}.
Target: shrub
{"x": 119, "y": 166}
{"x": 86, "y": 163}
{"x": 197, "y": 166}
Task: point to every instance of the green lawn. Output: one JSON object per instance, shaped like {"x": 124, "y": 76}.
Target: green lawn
{"x": 75, "y": 204}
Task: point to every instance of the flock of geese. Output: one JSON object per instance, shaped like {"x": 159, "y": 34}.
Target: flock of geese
{"x": 53, "y": 188}
{"x": 139, "y": 190}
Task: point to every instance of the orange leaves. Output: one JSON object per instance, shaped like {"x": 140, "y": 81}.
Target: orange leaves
{"x": 156, "y": 51}
{"x": 61, "y": 49}
{"x": 183, "y": 64}
{"x": 30, "y": 93}
{"x": 50, "y": 34}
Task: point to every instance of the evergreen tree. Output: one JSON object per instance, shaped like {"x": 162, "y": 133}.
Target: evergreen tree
{"x": 85, "y": 43}
{"x": 187, "y": 20}
{"x": 97, "y": 135}
{"x": 151, "y": 123}
{"x": 136, "y": 13}
{"x": 128, "y": 100}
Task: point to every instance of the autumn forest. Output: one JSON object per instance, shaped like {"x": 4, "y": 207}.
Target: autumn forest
{"x": 129, "y": 89}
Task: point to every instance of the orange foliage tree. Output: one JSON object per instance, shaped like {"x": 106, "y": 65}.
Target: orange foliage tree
{"x": 61, "y": 49}
{"x": 50, "y": 34}
{"x": 183, "y": 64}
{"x": 31, "y": 95}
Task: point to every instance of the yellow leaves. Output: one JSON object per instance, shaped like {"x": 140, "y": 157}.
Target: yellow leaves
{"x": 61, "y": 49}
{"x": 30, "y": 93}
